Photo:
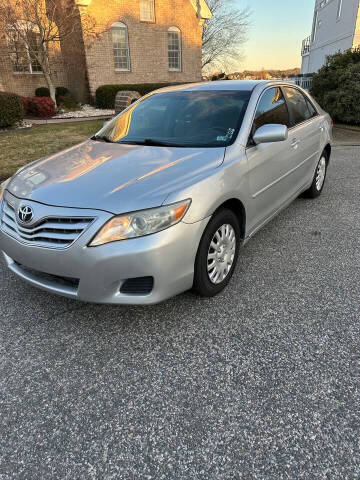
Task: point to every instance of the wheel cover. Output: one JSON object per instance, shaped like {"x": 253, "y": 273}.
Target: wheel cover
{"x": 221, "y": 254}
{"x": 320, "y": 174}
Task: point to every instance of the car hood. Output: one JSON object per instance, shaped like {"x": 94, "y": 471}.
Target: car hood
{"x": 112, "y": 177}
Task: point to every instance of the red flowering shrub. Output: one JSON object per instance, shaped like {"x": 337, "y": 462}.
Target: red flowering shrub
{"x": 43, "y": 107}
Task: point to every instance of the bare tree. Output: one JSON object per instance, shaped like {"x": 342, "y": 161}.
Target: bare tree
{"x": 224, "y": 34}
{"x": 36, "y": 28}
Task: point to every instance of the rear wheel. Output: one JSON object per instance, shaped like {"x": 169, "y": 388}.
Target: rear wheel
{"x": 217, "y": 254}
{"x": 319, "y": 178}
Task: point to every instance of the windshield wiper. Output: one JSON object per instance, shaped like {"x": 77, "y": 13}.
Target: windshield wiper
{"x": 102, "y": 138}
{"x": 151, "y": 142}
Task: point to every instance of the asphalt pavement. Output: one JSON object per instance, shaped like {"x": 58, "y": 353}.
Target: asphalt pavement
{"x": 261, "y": 382}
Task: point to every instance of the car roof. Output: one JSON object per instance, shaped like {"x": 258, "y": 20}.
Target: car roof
{"x": 238, "y": 85}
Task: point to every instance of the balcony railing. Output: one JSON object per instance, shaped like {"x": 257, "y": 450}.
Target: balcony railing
{"x": 305, "y": 48}
{"x": 304, "y": 81}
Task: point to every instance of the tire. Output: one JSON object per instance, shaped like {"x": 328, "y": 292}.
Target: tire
{"x": 223, "y": 230}
{"x": 319, "y": 177}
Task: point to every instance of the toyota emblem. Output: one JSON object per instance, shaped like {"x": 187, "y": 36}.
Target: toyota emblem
{"x": 25, "y": 214}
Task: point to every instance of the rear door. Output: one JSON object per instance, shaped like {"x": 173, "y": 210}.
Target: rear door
{"x": 305, "y": 135}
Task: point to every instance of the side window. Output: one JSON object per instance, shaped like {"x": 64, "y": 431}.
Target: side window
{"x": 298, "y": 106}
{"x": 271, "y": 109}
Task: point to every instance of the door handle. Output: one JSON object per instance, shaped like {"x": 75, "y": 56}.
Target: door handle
{"x": 295, "y": 143}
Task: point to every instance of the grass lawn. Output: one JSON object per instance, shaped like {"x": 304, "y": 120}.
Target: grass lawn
{"x": 17, "y": 149}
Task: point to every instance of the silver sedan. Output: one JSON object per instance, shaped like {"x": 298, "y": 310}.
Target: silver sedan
{"x": 162, "y": 197}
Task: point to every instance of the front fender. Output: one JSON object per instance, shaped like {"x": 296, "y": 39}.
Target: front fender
{"x": 227, "y": 182}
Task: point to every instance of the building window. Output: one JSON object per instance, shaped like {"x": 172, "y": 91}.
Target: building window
{"x": 315, "y": 25}
{"x": 339, "y": 9}
{"x": 23, "y": 54}
{"x": 147, "y": 10}
{"x": 174, "y": 49}
{"x": 120, "y": 41}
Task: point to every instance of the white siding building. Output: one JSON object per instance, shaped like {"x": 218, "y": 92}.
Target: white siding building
{"x": 336, "y": 27}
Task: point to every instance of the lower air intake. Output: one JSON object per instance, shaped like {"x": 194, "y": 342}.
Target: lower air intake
{"x": 54, "y": 279}
{"x": 137, "y": 286}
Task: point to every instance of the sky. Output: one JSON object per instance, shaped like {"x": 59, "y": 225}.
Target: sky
{"x": 277, "y": 30}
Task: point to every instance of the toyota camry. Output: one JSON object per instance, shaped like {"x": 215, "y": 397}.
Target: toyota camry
{"x": 161, "y": 199}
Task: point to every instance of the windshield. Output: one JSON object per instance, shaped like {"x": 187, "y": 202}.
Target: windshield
{"x": 180, "y": 119}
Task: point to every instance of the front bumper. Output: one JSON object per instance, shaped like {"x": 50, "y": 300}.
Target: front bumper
{"x": 167, "y": 256}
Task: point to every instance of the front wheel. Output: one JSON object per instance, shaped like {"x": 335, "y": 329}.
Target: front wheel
{"x": 319, "y": 178}
{"x": 217, "y": 254}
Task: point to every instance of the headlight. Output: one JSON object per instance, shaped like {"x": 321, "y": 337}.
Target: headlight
{"x": 3, "y": 185}
{"x": 139, "y": 224}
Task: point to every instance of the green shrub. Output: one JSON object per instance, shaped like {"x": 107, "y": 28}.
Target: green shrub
{"x": 42, "y": 92}
{"x": 61, "y": 91}
{"x": 336, "y": 86}
{"x": 27, "y": 102}
{"x": 105, "y": 95}
{"x": 66, "y": 101}
{"x": 11, "y": 109}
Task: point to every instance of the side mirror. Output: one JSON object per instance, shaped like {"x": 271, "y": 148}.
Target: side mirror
{"x": 271, "y": 133}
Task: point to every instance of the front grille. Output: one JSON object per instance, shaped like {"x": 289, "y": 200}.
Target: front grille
{"x": 137, "y": 286}
{"x": 53, "y": 232}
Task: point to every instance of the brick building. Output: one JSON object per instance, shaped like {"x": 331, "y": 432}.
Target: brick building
{"x": 140, "y": 41}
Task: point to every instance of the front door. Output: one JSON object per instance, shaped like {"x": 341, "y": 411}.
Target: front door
{"x": 270, "y": 164}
